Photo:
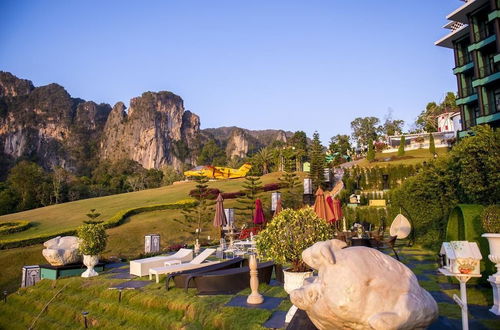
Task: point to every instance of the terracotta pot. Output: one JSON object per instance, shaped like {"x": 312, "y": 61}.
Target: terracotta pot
{"x": 294, "y": 280}
{"x": 90, "y": 262}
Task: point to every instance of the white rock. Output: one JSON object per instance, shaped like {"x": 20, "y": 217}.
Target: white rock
{"x": 61, "y": 251}
{"x": 362, "y": 288}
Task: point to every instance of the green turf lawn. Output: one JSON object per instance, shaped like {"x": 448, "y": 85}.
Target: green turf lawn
{"x": 411, "y": 157}
{"x": 126, "y": 240}
{"x": 155, "y": 308}
{"x": 67, "y": 216}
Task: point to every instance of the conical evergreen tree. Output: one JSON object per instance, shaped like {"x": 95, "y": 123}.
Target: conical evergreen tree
{"x": 201, "y": 212}
{"x": 251, "y": 188}
{"x": 370, "y": 155}
{"x": 401, "y": 149}
{"x": 318, "y": 162}
{"x": 291, "y": 197}
{"x": 432, "y": 145}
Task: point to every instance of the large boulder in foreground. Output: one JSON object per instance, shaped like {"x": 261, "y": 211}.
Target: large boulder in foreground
{"x": 61, "y": 251}
{"x": 362, "y": 288}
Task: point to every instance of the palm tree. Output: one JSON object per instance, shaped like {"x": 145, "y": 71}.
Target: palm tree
{"x": 264, "y": 158}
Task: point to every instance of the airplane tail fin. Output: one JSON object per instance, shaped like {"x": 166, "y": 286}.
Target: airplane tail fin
{"x": 245, "y": 168}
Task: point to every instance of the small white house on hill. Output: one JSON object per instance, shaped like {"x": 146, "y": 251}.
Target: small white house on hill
{"x": 449, "y": 122}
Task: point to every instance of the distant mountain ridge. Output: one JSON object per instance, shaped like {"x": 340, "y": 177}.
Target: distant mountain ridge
{"x": 46, "y": 125}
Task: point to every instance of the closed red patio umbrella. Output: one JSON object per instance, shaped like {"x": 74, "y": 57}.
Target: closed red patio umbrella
{"x": 258, "y": 217}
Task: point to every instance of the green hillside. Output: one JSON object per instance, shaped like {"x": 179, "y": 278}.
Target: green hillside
{"x": 411, "y": 157}
{"x": 126, "y": 240}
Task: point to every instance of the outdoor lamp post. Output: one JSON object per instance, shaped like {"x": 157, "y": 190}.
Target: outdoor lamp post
{"x": 85, "y": 318}
{"x": 120, "y": 294}
{"x": 5, "y": 296}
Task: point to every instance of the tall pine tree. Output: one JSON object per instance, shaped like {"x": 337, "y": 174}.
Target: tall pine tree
{"x": 202, "y": 211}
{"x": 318, "y": 162}
{"x": 370, "y": 155}
{"x": 401, "y": 149}
{"x": 291, "y": 197}
{"x": 432, "y": 145}
{"x": 251, "y": 188}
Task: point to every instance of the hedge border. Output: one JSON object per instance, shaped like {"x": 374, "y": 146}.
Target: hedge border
{"x": 14, "y": 227}
{"x": 114, "y": 221}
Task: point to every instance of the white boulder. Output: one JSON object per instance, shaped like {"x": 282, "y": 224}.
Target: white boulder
{"x": 362, "y": 288}
{"x": 61, "y": 251}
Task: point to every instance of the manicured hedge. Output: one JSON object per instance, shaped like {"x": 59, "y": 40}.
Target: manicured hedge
{"x": 464, "y": 224}
{"x": 114, "y": 221}
{"x": 13, "y": 227}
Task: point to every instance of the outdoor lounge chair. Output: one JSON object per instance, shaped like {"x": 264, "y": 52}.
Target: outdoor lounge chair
{"x": 390, "y": 244}
{"x": 141, "y": 267}
{"x": 228, "y": 281}
{"x": 195, "y": 263}
{"x": 180, "y": 277}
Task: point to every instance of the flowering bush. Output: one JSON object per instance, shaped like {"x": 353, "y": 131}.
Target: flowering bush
{"x": 379, "y": 146}
{"x": 271, "y": 186}
{"x": 210, "y": 193}
{"x": 290, "y": 233}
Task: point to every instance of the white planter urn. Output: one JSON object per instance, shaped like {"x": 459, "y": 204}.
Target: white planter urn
{"x": 90, "y": 262}
{"x": 494, "y": 256}
{"x": 293, "y": 281}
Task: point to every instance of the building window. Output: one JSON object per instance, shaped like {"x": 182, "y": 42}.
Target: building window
{"x": 496, "y": 96}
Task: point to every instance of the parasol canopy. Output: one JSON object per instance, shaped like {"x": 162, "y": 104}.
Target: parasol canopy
{"x": 279, "y": 207}
{"x": 258, "y": 217}
{"x": 321, "y": 207}
{"x": 220, "y": 216}
{"x": 337, "y": 209}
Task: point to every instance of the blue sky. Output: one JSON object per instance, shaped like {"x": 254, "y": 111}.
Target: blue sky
{"x": 295, "y": 65}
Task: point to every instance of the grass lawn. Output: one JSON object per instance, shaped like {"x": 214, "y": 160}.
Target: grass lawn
{"x": 126, "y": 240}
{"x": 155, "y": 308}
{"x": 411, "y": 157}
{"x": 67, "y": 216}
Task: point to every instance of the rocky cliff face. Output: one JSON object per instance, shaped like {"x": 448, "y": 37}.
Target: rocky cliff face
{"x": 240, "y": 142}
{"x": 46, "y": 124}
{"x": 152, "y": 132}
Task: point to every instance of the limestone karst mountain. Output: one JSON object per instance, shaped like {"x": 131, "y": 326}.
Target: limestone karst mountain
{"x": 46, "y": 125}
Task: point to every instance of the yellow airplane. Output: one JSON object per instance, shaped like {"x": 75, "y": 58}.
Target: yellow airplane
{"x": 217, "y": 172}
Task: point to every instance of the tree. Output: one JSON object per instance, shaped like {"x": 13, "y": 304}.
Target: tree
{"x": 365, "y": 129}
{"x": 264, "y": 158}
{"x": 340, "y": 144}
{"x": 393, "y": 127}
{"x": 432, "y": 145}
{"x": 370, "y": 155}
{"x": 318, "y": 162}
{"x": 299, "y": 145}
{"x": 25, "y": 180}
{"x": 427, "y": 121}
{"x": 201, "y": 212}
{"x": 251, "y": 188}
{"x": 401, "y": 149}
{"x": 170, "y": 175}
{"x": 59, "y": 183}
{"x": 292, "y": 197}
{"x": 212, "y": 154}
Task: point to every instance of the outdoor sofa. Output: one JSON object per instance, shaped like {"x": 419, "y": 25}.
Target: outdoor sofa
{"x": 180, "y": 278}
{"x": 228, "y": 281}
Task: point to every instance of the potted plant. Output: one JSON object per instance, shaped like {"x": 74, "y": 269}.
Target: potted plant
{"x": 491, "y": 225}
{"x": 92, "y": 235}
{"x": 286, "y": 236}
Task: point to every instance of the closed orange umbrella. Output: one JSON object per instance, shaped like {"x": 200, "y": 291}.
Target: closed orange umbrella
{"x": 279, "y": 208}
{"x": 321, "y": 207}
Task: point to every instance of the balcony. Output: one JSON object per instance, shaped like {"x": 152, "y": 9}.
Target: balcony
{"x": 463, "y": 68}
{"x": 467, "y": 99}
{"x": 460, "y": 14}
{"x": 488, "y": 118}
{"x": 482, "y": 43}
{"x": 488, "y": 78}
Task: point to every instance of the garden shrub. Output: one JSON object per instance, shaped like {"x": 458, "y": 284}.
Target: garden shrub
{"x": 114, "y": 221}
{"x": 13, "y": 227}
{"x": 490, "y": 219}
